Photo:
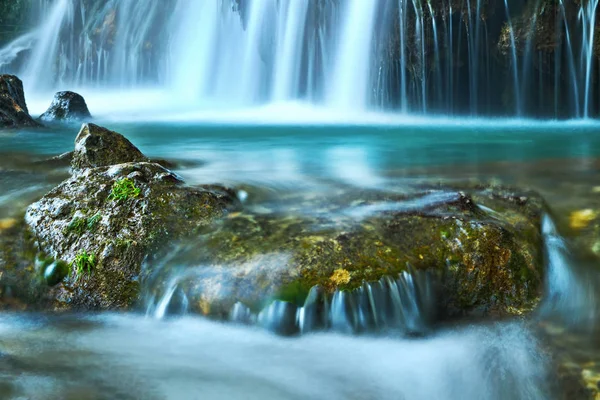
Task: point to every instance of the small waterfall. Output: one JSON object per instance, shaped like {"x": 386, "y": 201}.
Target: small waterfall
{"x": 570, "y": 293}
{"x": 406, "y": 304}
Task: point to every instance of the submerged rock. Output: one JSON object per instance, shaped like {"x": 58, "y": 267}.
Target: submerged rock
{"x": 67, "y": 106}
{"x": 13, "y": 109}
{"x": 115, "y": 211}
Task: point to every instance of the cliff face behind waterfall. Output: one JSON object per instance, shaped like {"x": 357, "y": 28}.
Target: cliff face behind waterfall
{"x": 525, "y": 58}
{"x": 13, "y": 19}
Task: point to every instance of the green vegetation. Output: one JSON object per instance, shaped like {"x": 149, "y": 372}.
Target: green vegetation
{"x": 92, "y": 221}
{"x": 80, "y": 225}
{"x": 123, "y": 243}
{"x": 84, "y": 263}
{"x": 124, "y": 189}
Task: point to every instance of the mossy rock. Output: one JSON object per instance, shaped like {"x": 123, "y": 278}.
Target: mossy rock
{"x": 66, "y": 106}
{"x": 490, "y": 258}
{"x": 21, "y": 284}
{"x": 104, "y": 221}
{"x": 96, "y": 146}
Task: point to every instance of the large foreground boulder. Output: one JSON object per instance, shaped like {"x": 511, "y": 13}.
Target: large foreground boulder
{"x": 13, "y": 109}
{"x": 482, "y": 250}
{"x": 67, "y": 106}
{"x": 109, "y": 216}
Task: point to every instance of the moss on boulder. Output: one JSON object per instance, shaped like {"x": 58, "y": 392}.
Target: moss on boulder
{"x": 89, "y": 220}
{"x": 484, "y": 244}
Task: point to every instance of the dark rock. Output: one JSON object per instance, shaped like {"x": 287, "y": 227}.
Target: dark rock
{"x": 96, "y": 146}
{"x": 13, "y": 109}
{"x": 67, "y": 106}
{"x": 106, "y": 219}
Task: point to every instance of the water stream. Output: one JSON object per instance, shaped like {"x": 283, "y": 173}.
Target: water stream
{"x": 380, "y": 341}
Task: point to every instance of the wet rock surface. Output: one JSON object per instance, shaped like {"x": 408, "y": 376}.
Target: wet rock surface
{"x": 96, "y": 146}
{"x": 13, "y": 109}
{"x": 484, "y": 245}
{"x": 67, "y": 106}
{"x": 114, "y": 211}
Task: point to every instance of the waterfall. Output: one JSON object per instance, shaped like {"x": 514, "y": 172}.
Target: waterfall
{"x": 47, "y": 44}
{"x": 406, "y": 55}
{"x": 406, "y": 304}
{"x": 515, "y": 67}
{"x": 588, "y": 13}
{"x": 287, "y": 65}
{"x": 350, "y": 86}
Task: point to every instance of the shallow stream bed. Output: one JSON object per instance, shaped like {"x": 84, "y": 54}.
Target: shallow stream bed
{"x": 298, "y": 170}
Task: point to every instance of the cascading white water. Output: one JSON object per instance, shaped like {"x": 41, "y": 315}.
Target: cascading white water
{"x": 588, "y": 15}
{"x": 406, "y": 304}
{"x": 330, "y": 53}
{"x": 350, "y": 86}
{"x": 570, "y": 295}
{"x": 47, "y": 46}
{"x": 288, "y": 57}
{"x": 125, "y": 357}
{"x": 515, "y": 66}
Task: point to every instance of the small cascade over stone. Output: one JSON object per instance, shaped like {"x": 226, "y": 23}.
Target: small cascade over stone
{"x": 504, "y": 58}
{"x": 405, "y": 304}
{"x": 570, "y": 292}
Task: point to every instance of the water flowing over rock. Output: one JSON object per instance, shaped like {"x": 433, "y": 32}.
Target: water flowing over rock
{"x": 67, "y": 106}
{"x": 381, "y": 263}
{"x": 110, "y": 215}
{"x": 13, "y": 109}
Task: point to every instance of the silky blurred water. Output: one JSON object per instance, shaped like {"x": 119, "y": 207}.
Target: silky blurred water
{"x": 304, "y": 169}
{"x": 129, "y": 357}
